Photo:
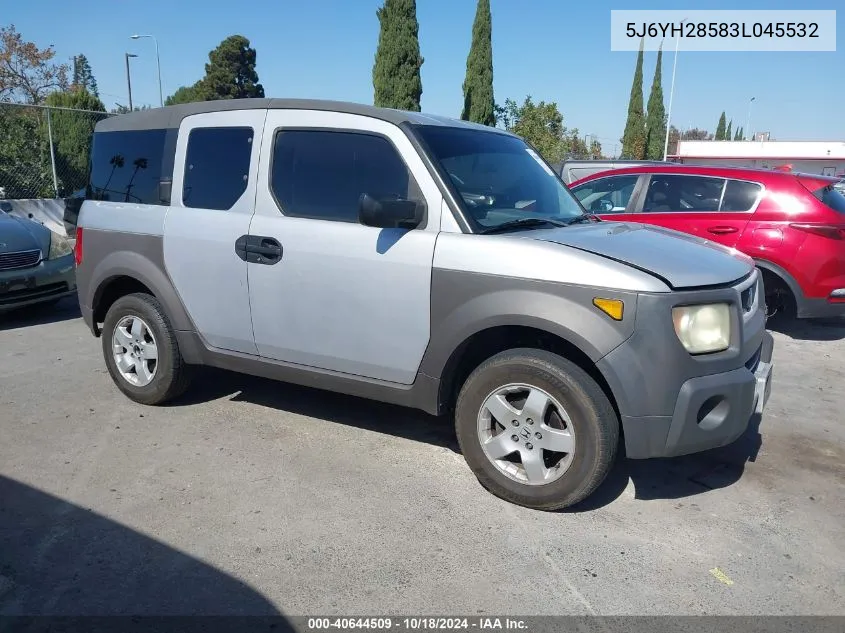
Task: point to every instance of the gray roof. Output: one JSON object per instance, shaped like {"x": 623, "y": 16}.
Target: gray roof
{"x": 171, "y": 116}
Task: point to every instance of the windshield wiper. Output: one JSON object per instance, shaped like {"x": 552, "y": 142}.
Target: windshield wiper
{"x": 522, "y": 223}
{"x": 584, "y": 217}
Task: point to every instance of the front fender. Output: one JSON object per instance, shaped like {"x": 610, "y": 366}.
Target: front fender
{"x": 465, "y": 304}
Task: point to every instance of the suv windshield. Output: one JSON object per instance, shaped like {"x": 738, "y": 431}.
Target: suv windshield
{"x": 499, "y": 178}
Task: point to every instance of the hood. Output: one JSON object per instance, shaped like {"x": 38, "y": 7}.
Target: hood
{"x": 19, "y": 234}
{"x": 679, "y": 259}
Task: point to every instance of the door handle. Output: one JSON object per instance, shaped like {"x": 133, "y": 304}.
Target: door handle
{"x": 722, "y": 230}
{"x": 258, "y": 249}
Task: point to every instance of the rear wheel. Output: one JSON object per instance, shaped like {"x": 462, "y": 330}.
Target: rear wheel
{"x": 141, "y": 351}
{"x": 536, "y": 429}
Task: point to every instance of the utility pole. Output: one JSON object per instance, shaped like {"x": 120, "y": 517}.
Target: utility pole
{"x": 128, "y": 79}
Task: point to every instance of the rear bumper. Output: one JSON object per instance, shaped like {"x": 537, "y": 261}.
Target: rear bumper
{"x": 49, "y": 280}
{"x": 710, "y": 411}
{"x": 819, "y": 308}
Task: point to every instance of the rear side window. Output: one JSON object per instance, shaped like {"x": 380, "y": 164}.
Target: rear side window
{"x": 127, "y": 166}
{"x": 322, "y": 174}
{"x": 216, "y": 167}
{"x": 740, "y": 195}
{"x": 675, "y": 193}
{"x": 831, "y": 197}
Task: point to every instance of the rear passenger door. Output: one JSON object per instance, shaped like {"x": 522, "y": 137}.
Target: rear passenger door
{"x": 611, "y": 197}
{"x": 694, "y": 204}
{"x": 212, "y": 202}
{"x": 341, "y": 296}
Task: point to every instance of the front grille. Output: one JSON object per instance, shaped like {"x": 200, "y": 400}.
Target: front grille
{"x": 20, "y": 259}
{"x": 37, "y": 292}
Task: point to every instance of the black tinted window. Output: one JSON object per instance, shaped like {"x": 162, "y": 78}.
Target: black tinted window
{"x": 216, "y": 167}
{"x": 740, "y": 196}
{"x": 606, "y": 195}
{"x": 322, "y": 174}
{"x": 832, "y": 198}
{"x": 670, "y": 192}
{"x": 126, "y": 166}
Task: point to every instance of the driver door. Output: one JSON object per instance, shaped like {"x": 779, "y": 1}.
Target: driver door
{"x": 339, "y": 295}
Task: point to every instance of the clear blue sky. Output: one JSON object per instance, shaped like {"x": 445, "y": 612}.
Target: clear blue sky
{"x": 555, "y": 50}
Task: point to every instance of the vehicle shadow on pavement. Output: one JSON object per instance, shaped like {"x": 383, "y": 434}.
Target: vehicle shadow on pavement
{"x": 678, "y": 477}
{"x": 65, "y": 310}
{"x": 334, "y": 407}
{"x": 670, "y": 478}
{"x": 809, "y": 329}
{"x": 60, "y": 559}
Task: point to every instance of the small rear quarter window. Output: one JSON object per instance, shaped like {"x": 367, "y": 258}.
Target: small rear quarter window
{"x": 832, "y": 198}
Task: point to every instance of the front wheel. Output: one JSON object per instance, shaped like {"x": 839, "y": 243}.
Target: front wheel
{"x": 536, "y": 429}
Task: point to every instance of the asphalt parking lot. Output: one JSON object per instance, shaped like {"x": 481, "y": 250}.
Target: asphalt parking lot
{"x": 249, "y": 496}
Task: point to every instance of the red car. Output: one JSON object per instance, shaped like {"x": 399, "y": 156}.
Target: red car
{"x": 792, "y": 224}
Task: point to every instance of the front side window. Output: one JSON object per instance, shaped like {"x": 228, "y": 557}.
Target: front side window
{"x": 675, "y": 193}
{"x": 216, "y": 167}
{"x": 127, "y": 166}
{"x": 606, "y": 195}
{"x": 498, "y": 178}
{"x": 322, "y": 174}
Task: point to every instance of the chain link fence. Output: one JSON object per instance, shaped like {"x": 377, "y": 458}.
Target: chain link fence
{"x": 44, "y": 150}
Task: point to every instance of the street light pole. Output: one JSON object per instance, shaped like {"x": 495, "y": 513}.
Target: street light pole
{"x": 128, "y": 79}
{"x": 748, "y": 119}
{"x": 671, "y": 95}
{"x": 158, "y": 64}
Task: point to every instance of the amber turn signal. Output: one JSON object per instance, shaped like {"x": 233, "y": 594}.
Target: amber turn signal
{"x": 611, "y": 307}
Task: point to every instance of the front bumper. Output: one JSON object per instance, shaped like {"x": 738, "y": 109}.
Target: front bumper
{"x": 710, "y": 411}
{"x": 49, "y": 280}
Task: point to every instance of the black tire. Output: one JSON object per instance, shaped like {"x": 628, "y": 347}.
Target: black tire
{"x": 172, "y": 375}
{"x": 594, "y": 421}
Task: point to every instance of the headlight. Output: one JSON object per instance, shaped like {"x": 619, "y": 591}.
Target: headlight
{"x": 703, "y": 328}
{"x": 59, "y": 246}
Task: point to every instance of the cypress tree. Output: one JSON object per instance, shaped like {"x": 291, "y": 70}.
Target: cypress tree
{"x": 633, "y": 140}
{"x": 728, "y": 132}
{"x": 739, "y": 136}
{"x": 656, "y": 118}
{"x": 479, "y": 105}
{"x": 396, "y": 70}
{"x": 720, "y": 128}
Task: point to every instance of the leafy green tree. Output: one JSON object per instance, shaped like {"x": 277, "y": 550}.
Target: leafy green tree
{"x": 634, "y": 137}
{"x": 230, "y": 72}
{"x": 656, "y": 118}
{"x": 83, "y": 76}
{"x": 720, "y": 128}
{"x": 185, "y": 94}
{"x": 72, "y": 130}
{"x": 24, "y": 154}
{"x": 396, "y": 71}
{"x": 478, "y": 84}
{"x": 738, "y": 136}
{"x": 540, "y": 124}
{"x": 728, "y": 131}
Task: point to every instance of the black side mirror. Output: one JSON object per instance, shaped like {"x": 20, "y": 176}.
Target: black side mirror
{"x": 389, "y": 213}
